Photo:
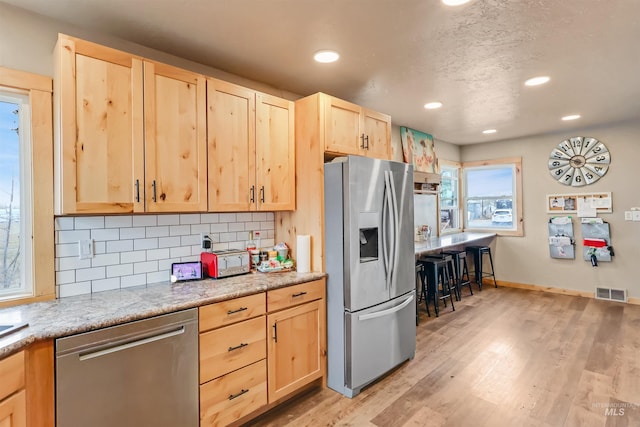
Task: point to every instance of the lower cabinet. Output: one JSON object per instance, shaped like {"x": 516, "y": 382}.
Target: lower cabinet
{"x": 13, "y": 401}
{"x": 259, "y": 349}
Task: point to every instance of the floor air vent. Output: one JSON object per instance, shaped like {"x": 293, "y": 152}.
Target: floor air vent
{"x": 619, "y": 295}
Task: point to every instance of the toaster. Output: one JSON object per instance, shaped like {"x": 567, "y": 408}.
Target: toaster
{"x": 225, "y": 263}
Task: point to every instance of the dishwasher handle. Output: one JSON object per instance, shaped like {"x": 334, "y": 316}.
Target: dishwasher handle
{"x": 161, "y": 336}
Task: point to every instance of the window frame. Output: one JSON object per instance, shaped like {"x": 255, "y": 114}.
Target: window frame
{"x": 516, "y": 162}
{"x": 39, "y": 90}
{"x": 445, "y": 164}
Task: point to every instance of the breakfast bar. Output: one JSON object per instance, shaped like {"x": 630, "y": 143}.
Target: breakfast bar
{"x": 449, "y": 240}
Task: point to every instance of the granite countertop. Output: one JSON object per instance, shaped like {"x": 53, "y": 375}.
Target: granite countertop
{"x": 449, "y": 240}
{"x": 72, "y": 315}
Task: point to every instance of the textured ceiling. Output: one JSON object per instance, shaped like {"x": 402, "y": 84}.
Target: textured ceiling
{"x": 396, "y": 55}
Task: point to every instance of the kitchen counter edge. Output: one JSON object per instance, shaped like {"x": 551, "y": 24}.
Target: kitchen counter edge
{"x": 83, "y": 313}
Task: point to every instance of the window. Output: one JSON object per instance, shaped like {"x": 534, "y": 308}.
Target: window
{"x": 492, "y": 198}
{"x": 449, "y": 197}
{"x": 26, "y": 188}
{"x": 15, "y": 193}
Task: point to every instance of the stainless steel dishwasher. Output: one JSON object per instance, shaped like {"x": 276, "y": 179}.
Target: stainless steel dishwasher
{"x": 142, "y": 373}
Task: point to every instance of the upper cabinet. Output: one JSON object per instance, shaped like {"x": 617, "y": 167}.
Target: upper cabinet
{"x": 251, "y": 154}
{"x": 131, "y": 133}
{"x": 352, "y": 129}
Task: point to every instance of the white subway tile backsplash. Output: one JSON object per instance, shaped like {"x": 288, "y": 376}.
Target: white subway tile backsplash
{"x": 94, "y": 273}
{"x": 105, "y": 259}
{"x": 119, "y": 270}
{"x": 136, "y": 250}
{"x": 132, "y": 233}
{"x": 141, "y": 244}
{"x": 105, "y": 234}
{"x": 168, "y": 219}
{"x": 105, "y": 284}
{"x": 161, "y": 231}
{"x": 144, "y": 220}
{"x": 88, "y": 222}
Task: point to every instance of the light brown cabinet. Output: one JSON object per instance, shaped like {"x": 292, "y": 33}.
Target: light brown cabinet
{"x": 233, "y": 377}
{"x": 352, "y": 129}
{"x": 13, "y": 403}
{"x": 326, "y": 127}
{"x": 131, "y": 133}
{"x": 251, "y": 153}
{"x": 296, "y": 346}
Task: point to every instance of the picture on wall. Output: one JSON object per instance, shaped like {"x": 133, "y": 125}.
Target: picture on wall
{"x": 418, "y": 149}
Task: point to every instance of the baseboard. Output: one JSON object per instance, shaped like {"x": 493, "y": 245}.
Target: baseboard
{"x": 572, "y": 292}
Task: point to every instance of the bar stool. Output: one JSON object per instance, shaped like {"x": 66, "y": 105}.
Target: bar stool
{"x": 421, "y": 291}
{"x": 478, "y": 252}
{"x": 451, "y": 268}
{"x": 438, "y": 282}
{"x": 461, "y": 270}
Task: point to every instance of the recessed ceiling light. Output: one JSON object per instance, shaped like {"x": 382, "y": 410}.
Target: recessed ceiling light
{"x": 433, "y": 105}
{"x": 571, "y": 117}
{"x": 535, "y": 81}
{"x": 455, "y": 2}
{"x": 489, "y": 131}
{"x": 326, "y": 56}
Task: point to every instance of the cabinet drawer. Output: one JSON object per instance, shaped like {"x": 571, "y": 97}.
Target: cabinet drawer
{"x": 234, "y": 395}
{"x": 11, "y": 374}
{"x": 232, "y": 347}
{"x": 231, "y": 311}
{"x": 293, "y": 295}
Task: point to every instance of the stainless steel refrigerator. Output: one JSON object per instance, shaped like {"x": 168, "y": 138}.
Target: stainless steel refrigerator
{"x": 370, "y": 263}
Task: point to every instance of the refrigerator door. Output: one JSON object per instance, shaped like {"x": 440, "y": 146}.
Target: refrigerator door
{"x": 368, "y": 232}
{"x": 401, "y": 180}
{"x": 378, "y": 339}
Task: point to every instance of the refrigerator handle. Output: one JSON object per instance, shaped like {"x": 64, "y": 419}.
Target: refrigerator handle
{"x": 387, "y": 212}
{"x": 395, "y": 229}
{"x": 387, "y": 311}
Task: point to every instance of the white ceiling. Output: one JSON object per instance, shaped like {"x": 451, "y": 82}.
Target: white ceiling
{"x": 396, "y": 55}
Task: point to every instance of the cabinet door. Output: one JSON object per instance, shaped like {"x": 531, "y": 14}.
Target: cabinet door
{"x": 295, "y": 346}
{"x": 275, "y": 153}
{"x": 377, "y": 131}
{"x": 99, "y": 152}
{"x": 342, "y": 126}
{"x": 231, "y": 147}
{"x": 175, "y": 139}
{"x": 13, "y": 411}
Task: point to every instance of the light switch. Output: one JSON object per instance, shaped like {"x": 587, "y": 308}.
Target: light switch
{"x": 86, "y": 248}
{"x": 635, "y": 215}
{"x": 628, "y": 216}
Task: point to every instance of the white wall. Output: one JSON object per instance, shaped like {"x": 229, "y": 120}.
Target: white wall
{"x": 526, "y": 259}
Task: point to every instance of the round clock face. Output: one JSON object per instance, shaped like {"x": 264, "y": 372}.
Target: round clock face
{"x": 579, "y": 161}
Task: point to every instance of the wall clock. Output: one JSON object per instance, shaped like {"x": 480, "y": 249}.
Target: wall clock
{"x": 579, "y": 161}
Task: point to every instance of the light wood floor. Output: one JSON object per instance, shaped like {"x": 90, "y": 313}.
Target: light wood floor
{"x": 505, "y": 357}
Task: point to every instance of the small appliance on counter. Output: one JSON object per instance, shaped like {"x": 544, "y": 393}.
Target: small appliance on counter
{"x": 225, "y": 263}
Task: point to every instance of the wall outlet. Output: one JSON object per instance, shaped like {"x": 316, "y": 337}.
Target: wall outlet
{"x": 205, "y": 242}
{"x": 85, "y": 249}
{"x": 635, "y": 215}
{"x": 628, "y": 216}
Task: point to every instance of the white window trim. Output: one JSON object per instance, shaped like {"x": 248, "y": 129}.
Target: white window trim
{"x": 452, "y": 165}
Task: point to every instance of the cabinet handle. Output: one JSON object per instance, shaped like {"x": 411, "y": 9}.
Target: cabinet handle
{"x": 153, "y": 184}
{"x": 137, "y": 190}
{"x": 362, "y": 138}
{"x": 237, "y": 311}
{"x": 242, "y": 344}
{"x": 252, "y": 194}
{"x": 366, "y": 138}
{"x": 299, "y": 294}
{"x": 275, "y": 332}
{"x": 262, "y": 194}
{"x": 243, "y": 391}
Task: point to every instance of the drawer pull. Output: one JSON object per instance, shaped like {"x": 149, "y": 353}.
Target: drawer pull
{"x": 242, "y": 344}
{"x": 243, "y": 391}
{"x": 237, "y": 311}
{"x": 299, "y": 294}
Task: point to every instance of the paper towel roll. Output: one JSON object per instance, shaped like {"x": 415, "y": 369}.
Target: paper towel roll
{"x": 303, "y": 248}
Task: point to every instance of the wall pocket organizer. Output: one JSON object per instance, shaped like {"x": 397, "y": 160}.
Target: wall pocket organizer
{"x": 596, "y": 241}
{"x": 561, "y": 244}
